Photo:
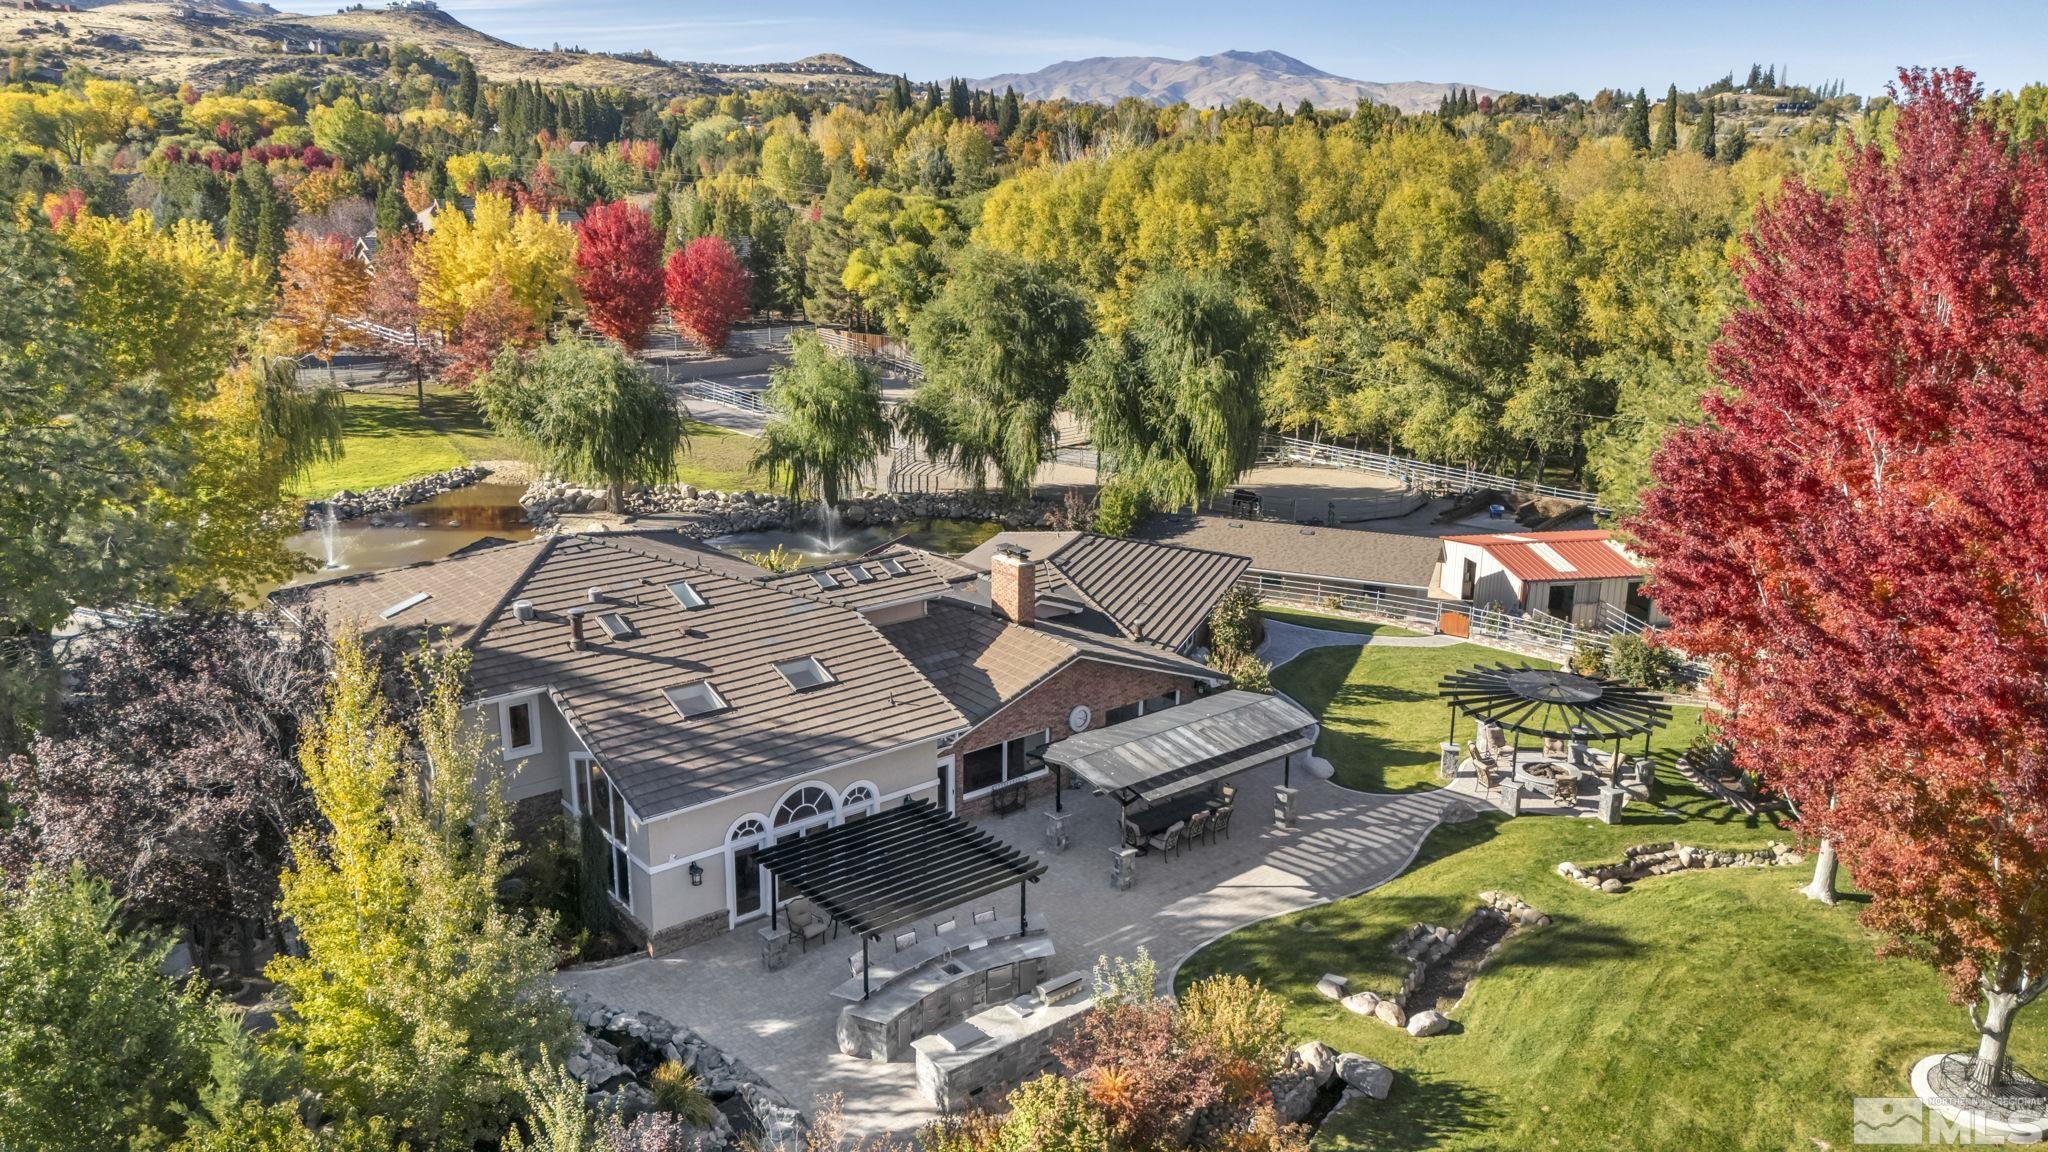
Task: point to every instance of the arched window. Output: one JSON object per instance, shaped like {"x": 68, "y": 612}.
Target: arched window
{"x": 748, "y": 826}
{"x": 858, "y": 801}
{"x": 803, "y": 806}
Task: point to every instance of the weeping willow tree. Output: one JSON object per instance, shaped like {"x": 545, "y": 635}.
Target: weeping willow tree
{"x": 1172, "y": 400}
{"x": 997, "y": 344}
{"x": 588, "y": 411}
{"x": 828, "y": 427}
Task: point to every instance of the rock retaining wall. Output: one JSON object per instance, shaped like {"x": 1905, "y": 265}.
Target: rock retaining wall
{"x": 1663, "y": 858}
{"x": 617, "y": 1052}
{"x": 349, "y": 505}
{"x": 716, "y": 513}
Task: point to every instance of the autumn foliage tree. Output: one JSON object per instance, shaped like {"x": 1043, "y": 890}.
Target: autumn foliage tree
{"x": 325, "y": 285}
{"x": 1854, "y": 536}
{"x": 619, "y": 272}
{"x": 708, "y": 290}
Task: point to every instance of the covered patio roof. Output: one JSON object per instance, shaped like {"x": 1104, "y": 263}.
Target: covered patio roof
{"x": 901, "y": 865}
{"x": 1177, "y": 750}
{"x": 1553, "y": 703}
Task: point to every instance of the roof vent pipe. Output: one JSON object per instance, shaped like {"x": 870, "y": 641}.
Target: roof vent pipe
{"x": 597, "y": 595}
{"x": 522, "y": 610}
{"x": 576, "y": 643}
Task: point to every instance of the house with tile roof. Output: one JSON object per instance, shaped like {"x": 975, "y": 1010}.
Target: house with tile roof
{"x": 691, "y": 709}
{"x": 1585, "y": 578}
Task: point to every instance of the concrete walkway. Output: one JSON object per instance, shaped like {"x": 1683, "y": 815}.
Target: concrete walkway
{"x": 1286, "y": 641}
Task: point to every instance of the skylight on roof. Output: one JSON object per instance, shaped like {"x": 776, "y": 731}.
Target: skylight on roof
{"x": 825, "y": 578}
{"x": 686, "y": 595}
{"x": 860, "y": 574}
{"x": 1552, "y": 557}
{"x": 694, "y": 699}
{"x": 402, "y": 605}
{"x": 616, "y": 626}
{"x": 893, "y": 566}
{"x": 804, "y": 673}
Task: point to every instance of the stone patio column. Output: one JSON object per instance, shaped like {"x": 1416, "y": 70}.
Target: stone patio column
{"x": 1056, "y": 837}
{"x": 1609, "y": 804}
{"x": 1123, "y": 869}
{"x": 774, "y": 948}
{"x": 1511, "y": 798}
{"x": 1447, "y": 760}
{"x": 1283, "y": 807}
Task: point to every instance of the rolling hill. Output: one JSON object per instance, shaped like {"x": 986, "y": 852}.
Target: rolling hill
{"x": 214, "y": 42}
{"x": 1210, "y": 81}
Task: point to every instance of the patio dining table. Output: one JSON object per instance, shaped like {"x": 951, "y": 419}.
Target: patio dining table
{"x": 1159, "y": 817}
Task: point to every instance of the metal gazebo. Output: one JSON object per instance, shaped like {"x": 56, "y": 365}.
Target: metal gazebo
{"x": 1555, "y": 704}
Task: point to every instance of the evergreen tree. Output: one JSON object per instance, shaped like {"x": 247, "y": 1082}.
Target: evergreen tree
{"x": 662, "y": 215}
{"x": 1703, "y": 132}
{"x": 956, "y": 99}
{"x": 1636, "y": 129}
{"x": 1735, "y": 145}
{"x": 1007, "y": 116}
{"x": 1667, "y": 125}
{"x": 1304, "y": 110}
{"x": 391, "y": 208}
{"x": 899, "y": 94}
{"x": 273, "y": 217}
{"x": 244, "y": 202}
{"x": 932, "y": 100}
{"x": 1756, "y": 78}
{"x": 466, "y": 89}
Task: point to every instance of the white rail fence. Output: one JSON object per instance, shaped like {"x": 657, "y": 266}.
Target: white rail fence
{"x": 1293, "y": 449}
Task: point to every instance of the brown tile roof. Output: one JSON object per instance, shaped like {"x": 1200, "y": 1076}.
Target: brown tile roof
{"x": 1158, "y": 593}
{"x": 983, "y": 662}
{"x": 865, "y": 583}
{"x": 462, "y": 591}
{"x": 612, "y": 691}
{"x": 1277, "y": 547}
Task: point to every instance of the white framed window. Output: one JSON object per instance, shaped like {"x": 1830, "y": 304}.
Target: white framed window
{"x": 605, "y": 807}
{"x": 744, "y": 882}
{"x": 808, "y": 805}
{"x": 859, "y": 801}
{"x": 986, "y": 768}
{"x": 519, "y": 727}
{"x": 1162, "y": 702}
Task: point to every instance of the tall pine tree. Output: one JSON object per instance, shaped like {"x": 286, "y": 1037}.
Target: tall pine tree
{"x": 1636, "y": 129}
{"x": 1667, "y": 125}
{"x": 1703, "y": 132}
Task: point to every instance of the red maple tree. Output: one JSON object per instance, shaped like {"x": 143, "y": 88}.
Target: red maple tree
{"x": 1855, "y": 535}
{"x": 618, "y": 271}
{"x": 708, "y": 290}
{"x": 491, "y": 325}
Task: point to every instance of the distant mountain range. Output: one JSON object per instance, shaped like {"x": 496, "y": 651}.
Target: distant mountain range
{"x": 217, "y": 42}
{"x": 1211, "y": 81}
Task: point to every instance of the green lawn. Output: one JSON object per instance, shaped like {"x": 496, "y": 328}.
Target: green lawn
{"x": 1306, "y": 619}
{"x": 1703, "y": 1010}
{"x": 387, "y": 439}
{"x": 1715, "y": 1009}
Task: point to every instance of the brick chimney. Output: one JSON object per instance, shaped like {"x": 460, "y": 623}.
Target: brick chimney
{"x": 1013, "y": 585}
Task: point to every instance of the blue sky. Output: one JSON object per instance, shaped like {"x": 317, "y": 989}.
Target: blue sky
{"x": 1531, "y": 45}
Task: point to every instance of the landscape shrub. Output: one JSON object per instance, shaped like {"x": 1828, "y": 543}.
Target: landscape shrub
{"x": 676, "y": 1090}
{"x": 1633, "y": 660}
{"x": 1235, "y": 624}
{"x": 1120, "y": 508}
{"x": 1589, "y": 658}
{"x": 1247, "y": 672}
{"x": 1240, "y": 1021}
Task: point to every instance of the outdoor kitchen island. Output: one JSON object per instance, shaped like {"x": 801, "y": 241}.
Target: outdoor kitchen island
{"x": 940, "y": 994}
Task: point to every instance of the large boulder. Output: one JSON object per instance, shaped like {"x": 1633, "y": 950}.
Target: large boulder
{"x": 1367, "y": 1076}
{"x": 1319, "y": 1060}
{"x": 1294, "y": 1095}
{"x": 1333, "y": 986}
{"x": 1429, "y": 1023}
{"x": 1362, "y": 1003}
{"x": 1392, "y": 1014}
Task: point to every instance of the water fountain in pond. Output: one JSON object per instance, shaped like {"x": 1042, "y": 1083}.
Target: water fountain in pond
{"x": 330, "y": 540}
{"x": 828, "y": 527}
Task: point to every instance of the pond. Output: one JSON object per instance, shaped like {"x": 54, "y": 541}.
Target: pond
{"x": 945, "y": 537}
{"x": 425, "y": 531}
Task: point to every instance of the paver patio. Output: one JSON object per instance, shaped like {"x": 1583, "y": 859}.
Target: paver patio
{"x": 782, "y": 1023}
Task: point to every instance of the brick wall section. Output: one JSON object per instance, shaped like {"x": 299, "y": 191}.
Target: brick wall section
{"x": 1099, "y": 685}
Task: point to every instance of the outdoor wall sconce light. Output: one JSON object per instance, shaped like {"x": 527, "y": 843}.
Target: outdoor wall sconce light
{"x": 696, "y": 875}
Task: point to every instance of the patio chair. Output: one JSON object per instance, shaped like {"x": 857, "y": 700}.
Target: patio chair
{"x": 1483, "y": 771}
{"x": 1133, "y": 838}
{"x": 906, "y": 939}
{"x": 985, "y": 916}
{"x": 808, "y": 923}
{"x": 941, "y": 927}
{"x": 1168, "y": 840}
{"x": 1226, "y": 793}
{"x": 1219, "y": 821}
{"x": 1198, "y": 827}
{"x": 1564, "y": 790}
